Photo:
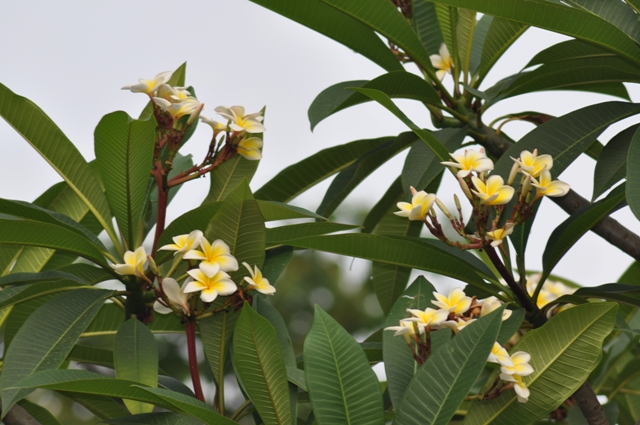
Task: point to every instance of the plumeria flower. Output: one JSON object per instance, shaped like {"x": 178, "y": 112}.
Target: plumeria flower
{"x": 532, "y": 164}
{"x": 176, "y": 295}
{"x": 215, "y": 125}
{"x": 134, "y": 263}
{"x": 211, "y": 286}
{"x": 213, "y": 257}
{"x": 546, "y": 187}
{"x": 251, "y": 123}
{"x": 429, "y": 316}
{"x": 494, "y": 192}
{"x": 250, "y": 148}
{"x": 184, "y": 243}
{"x": 458, "y": 324}
{"x": 257, "y": 281}
{"x": 550, "y": 290}
{"x": 499, "y": 355}
{"x": 470, "y": 161}
{"x": 177, "y": 110}
{"x": 149, "y": 86}
{"x": 442, "y": 62}
{"x": 173, "y": 94}
{"x": 520, "y": 366}
{"x": 491, "y": 304}
{"x": 421, "y": 203}
{"x": 498, "y": 235}
{"x": 457, "y": 302}
{"x": 406, "y": 327}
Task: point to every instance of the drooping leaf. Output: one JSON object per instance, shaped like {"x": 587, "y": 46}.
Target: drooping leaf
{"x": 573, "y": 228}
{"x": 39, "y": 413}
{"x": 438, "y": 388}
{"x": 565, "y": 350}
{"x": 399, "y": 363}
{"x": 350, "y": 177}
{"x": 614, "y": 12}
{"x": 342, "y": 386}
{"x": 124, "y": 153}
{"x": 162, "y": 418}
{"x": 297, "y": 178}
{"x": 90, "y": 354}
{"x": 110, "y": 317}
{"x": 86, "y": 272}
{"x": 275, "y": 261}
{"x": 633, "y": 174}
{"x": 501, "y": 34}
{"x": 510, "y": 326}
{"x": 272, "y": 211}
{"x": 23, "y": 293}
{"x": 397, "y": 84}
{"x": 612, "y": 163}
{"x": 339, "y": 26}
{"x": 569, "y": 50}
{"x": 425, "y": 24}
{"x": 260, "y": 367}
{"x": 135, "y": 355}
{"x": 46, "y": 338}
{"x": 101, "y": 406}
{"x": 277, "y": 235}
{"x": 629, "y": 294}
{"x": 378, "y": 211}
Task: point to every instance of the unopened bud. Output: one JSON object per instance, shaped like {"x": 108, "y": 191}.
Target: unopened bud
{"x": 465, "y": 188}
{"x": 457, "y": 202}
{"x": 153, "y": 266}
{"x": 526, "y": 187}
{"x": 444, "y": 209}
{"x": 413, "y": 190}
{"x": 513, "y": 173}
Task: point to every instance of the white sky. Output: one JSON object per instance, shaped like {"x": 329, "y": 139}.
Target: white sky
{"x": 71, "y": 58}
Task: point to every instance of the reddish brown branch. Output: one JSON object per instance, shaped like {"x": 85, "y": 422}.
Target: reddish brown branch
{"x": 193, "y": 360}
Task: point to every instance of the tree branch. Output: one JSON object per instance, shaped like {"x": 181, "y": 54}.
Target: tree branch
{"x": 608, "y": 228}
{"x": 590, "y": 406}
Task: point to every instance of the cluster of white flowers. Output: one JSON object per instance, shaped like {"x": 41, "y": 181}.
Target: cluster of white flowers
{"x": 454, "y": 311}
{"x": 179, "y": 102}
{"x": 513, "y": 368}
{"x": 210, "y": 278}
{"x": 550, "y": 291}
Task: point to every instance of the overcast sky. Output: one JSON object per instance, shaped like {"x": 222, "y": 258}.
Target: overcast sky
{"x": 72, "y": 58}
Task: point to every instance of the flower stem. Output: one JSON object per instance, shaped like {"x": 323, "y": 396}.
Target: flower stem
{"x": 522, "y": 296}
{"x": 193, "y": 360}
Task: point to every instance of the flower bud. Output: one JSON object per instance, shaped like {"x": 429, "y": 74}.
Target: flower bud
{"x": 457, "y": 201}
{"x": 465, "y": 188}
{"x": 444, "y": 209}
{"x": 526, "y": 187}
{"x": 153, "y": 266}
{"x": 513, "y": 173}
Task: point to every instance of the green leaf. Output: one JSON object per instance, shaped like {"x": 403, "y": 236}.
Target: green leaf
{"x": 425, "y": 24}
{"x": 240, "y": 225}
{"x": 39, "y": 413}
{"x": 384, "y": 18}
{"x": 629, "y": 294}
{"x": 110, "y": 317}
{"x": 510, "y": 326}
{"x": 399, "y": 363}
{"x": 479, "y": 38}
{"x": 612, "y": 163}
{"x": 573, "y": 228}
{"x": 342, "y": 386}
{"x": 216, "y": 332}
{"x": 422, "y": 166}
{"x": 566, "y": 137}
{"x": 424, "y": 135}
{"x": 270, "y": 313}
{"x": 352, "y": 176}
{"x": 297, "y": 178}
{"x": 465, "y": 31}
{"x": 614, "y": 12}
{"x": 278, "y": 235}
{"x": 378, "y": 211}
{"x": 418, "y": 254}
{"x": 47, "y": 276}
{"x": 260, "y": 367}
{"x": 23, "y": 232}
{"x": 86, "y": 272}
{"x": 633, "y": 174}
{"x": 163, "y": 418}
{"x": 228, "y": 176}
{"x": 397, "y": 84}
{"x": 442, "y": 383}
{"x": 80, "y": 381}
{"x": 556, "y": 17}
{"x": 50, "y": 142}
{"x": 47, "y": 337}
{"x": 501, "y": 34}
{"x": 275, "y": 261}
{"x": 334, "y": 24}
{"x": 569, "y": 50}
{"x": 272, "y": 211}
{"x": 90, "y": 354}
{"x": 564, "y": 350}
{"x": 18, "y": 294}
{"x": 100, "y": 406}
{"x": 124, "y": 154}
{"x": 447, "y": 21}
{"x": 135, "y": 355}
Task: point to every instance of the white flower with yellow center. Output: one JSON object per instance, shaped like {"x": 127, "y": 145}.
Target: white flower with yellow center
{"x": 211, "y": 286}
{"x": 184, "y": 243}
{"x": 550, "y": 290}
{"x": 546, "y": 187}
{"x": 149, "y": 86}
{"x": 251, "y": 123}
{"x": 498, "y": 235}
{"x": 532, "y": 164}
{"x": 499, "y": 355}
{"x": 458, "y": 324}
{"x": 421, "y": 203}
{"x": 442, "y": 63}
{"x": 494, "y": 192}
{"x": 430, "y": 316}
{"x": 177, "y": 110}
{"x": 215, "y": 125}
{"x": 490, "y": 305}
{"x": 457, "y": 302}
{"x": 470, "y": 161}
{"x": 250, "y": 148}
{"x": 257, "y": 281}
{"x": 520, "y": 366}
{"x": 407, "y": 327}
{"x": 134, "y": 263}
{"x": 173, "y": 94}
{"x": 175, "y": 294}
{"x": 213, "y": 257}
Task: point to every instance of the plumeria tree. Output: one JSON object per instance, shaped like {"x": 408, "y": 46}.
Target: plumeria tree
{"x": 508, "y": 345}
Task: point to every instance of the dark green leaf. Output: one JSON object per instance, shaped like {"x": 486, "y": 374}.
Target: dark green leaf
{"x": 90, "y": 354}
{"x": 612, "y": 163}
{"x": 501, "y": 34}
{"x": 568, "y": 50}
{"x": 163, "y": 418}
{"x": 425, "y": 24}
{"x": 272, "y": 211}
{"x": 614, "y": 12}
{"x": 39, "y": 413}
{"x": 275, "y": 261}
{"x": 633, "y": 174}
{"x": 22, "y": 293}
{"x": 278, "y": 235}
{"x": 510, "y": 326}
{"x": 378, "y": 211}
{"x": 479, "y": 39}
{"x": 228, "y": 176}
{"x": 102, "y": 407}
{"x": 342, "y": 386}
{"x": 216, "y": 332}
